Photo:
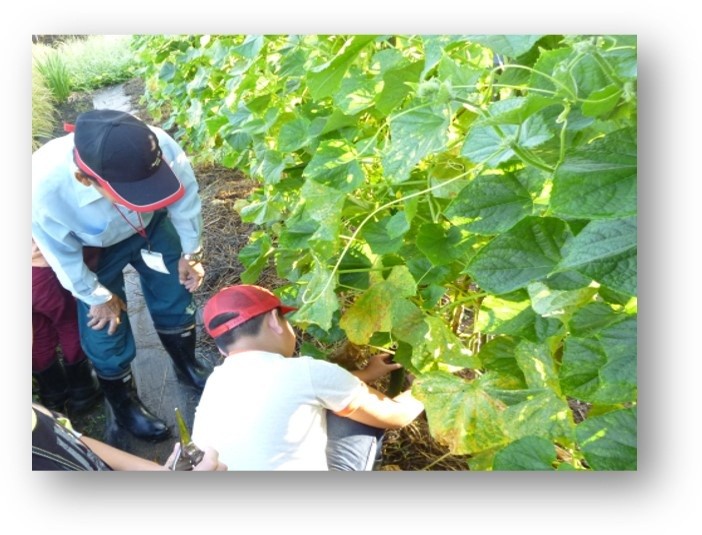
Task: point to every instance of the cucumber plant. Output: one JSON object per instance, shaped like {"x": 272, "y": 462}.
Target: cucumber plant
{"x": 468, "y": 199}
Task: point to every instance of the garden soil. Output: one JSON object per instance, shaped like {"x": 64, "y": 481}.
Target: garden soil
{"x": 408, "y": 449}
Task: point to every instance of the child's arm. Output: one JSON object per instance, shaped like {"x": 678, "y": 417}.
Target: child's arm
{"x": 378, "y": 410}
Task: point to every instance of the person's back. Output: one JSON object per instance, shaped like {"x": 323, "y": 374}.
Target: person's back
{"x": 267, "y": 412}
{"x": 262, "y": 409}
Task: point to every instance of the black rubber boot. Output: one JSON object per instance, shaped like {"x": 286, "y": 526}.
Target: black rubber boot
{"x": 181, "y": 348}
{"x": 53, "y": 387}
{"x": 83, "y": 386}
{"x": 130, "y": 412}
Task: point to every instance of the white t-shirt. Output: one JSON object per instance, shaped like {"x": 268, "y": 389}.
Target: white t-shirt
{"x": 262, "y": 411}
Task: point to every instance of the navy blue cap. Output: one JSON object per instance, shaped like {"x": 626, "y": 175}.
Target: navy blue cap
{"x": 123, "y": 154}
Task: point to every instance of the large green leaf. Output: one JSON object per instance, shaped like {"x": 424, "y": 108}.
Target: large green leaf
{"x": 516, "y": 110}
{"x": 486, "y": 144}
{"x": 542, "y": 413}
{"x": 528, "y": 453}
{"x": 354, "y": 269}
{"x": 609, "y": 442}
{"x": 549, "y": 302}
{"x": 511, "y": 46}
{"x": 260, "y": 212}
{"x": 602, "y": 367}
{"x": 382, "y": 236}
{"x": 396, "y": 85}
{"x": 490, "y": 204}
{"x": 271, "y": 167}
{"x": 441, "y": 346}
{"x": 298, "y": 233}
{"x": 319, "y": 300}
{"x": 461, "y": 414}
{"x": 593, "y": 317}
{"x": 538, "y": 365}
{"x": 324, "y": 81}
{"x": 373, "y": 311}
{"x": 505, "y": 315}
{"x": 513, "y": 315}
{"x": 443, "y": 245}
{"x": 602, "y": 100}
{"x": 409, "y": 323}
{"x": 356, "y": 93}
{"x": 335, "y": 164}
{"x": 323, "y": 204}
{"x": 607, "y": 252}
{"x": 249, "y": 48}
{"x": 527, "y": 252}
{"x": 414, "y": 134}
{"x": 498, "y": 356}
{"x": 294, "y": 135}
{"x": 493, "y": 144}
{"x": 254, "y": 256}
{"x": 598, "y": 181}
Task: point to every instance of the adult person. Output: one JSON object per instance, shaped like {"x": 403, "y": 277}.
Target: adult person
{"x": 57, "y": 446}
{"x": 115, "y": 192}
{"x": 264, "y": 410}
{"x": 67, "y": 383}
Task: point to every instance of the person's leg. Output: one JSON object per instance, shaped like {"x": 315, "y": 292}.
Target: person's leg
{"x": 44, "y": 336}
{"x": 112, "y": 354}
{"x": 44, "y": 341}
{"x": 170, "y": 304}
{"x": 59, "y": 307}
{"x": 351, "y": 445}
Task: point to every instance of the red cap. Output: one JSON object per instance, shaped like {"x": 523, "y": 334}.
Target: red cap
{"x": 245, "y": 300}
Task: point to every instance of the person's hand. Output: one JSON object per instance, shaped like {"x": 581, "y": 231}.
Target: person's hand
{"x": 107, "y": 314}
{"x": 210, "y": 462}
{"x": 378, "y": 366}
{"x": 190, "y": 274}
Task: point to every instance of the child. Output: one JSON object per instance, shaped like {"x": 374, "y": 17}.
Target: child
{"x": 264, "y": 410}
{"x": 57, "y": 446}
{"x": 72, "y": 384}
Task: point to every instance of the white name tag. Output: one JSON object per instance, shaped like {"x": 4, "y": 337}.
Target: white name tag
{"x": 155, "y": 261}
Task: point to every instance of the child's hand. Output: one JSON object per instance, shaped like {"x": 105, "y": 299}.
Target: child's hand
{"x": 378, "y": 366}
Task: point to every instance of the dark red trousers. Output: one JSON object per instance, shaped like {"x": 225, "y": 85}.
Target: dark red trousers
{"x": 54, "y": 321}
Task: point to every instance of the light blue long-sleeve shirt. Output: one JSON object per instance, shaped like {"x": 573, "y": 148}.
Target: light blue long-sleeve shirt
{"x": 66, "y": 215}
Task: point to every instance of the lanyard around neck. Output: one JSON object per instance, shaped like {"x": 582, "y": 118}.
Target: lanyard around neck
{"x": 141, "y": 230}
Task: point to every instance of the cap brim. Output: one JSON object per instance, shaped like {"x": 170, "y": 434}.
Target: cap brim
{"x": 284, "y": 310}
{"x": 147, "y": 195}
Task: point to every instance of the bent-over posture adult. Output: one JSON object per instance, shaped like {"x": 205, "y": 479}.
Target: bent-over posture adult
{"x": 113, "y": 193}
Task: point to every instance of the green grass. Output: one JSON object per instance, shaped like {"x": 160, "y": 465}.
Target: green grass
{"x": 98, "y": 61}
{"x": 54, "y": 71}
{"x": 43, "y": 111}
{"x": 85, "y": 64}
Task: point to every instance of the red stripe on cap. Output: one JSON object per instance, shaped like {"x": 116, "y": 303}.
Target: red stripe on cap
{"x": 84, "y": 166}
{"x": 136, "y": 207}
{"x": 227, "y": 325}
{"x": 145, "y": 207}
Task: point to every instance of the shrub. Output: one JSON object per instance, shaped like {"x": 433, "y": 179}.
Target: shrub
{"x": 54, "y": 71}
{"x": 98, "y": 61}
{"x": 43, "y": 112}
